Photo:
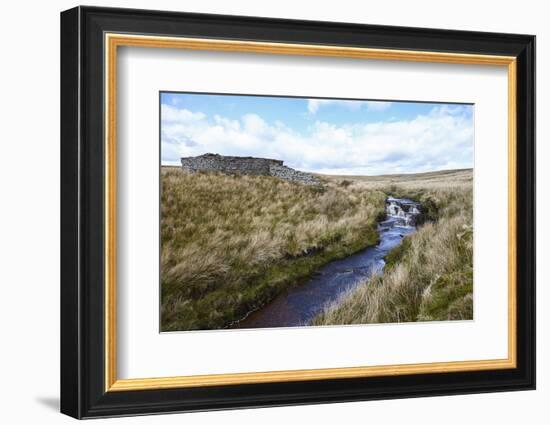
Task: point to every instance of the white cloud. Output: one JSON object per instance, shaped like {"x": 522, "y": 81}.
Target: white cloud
{"x": 173, "y": 114}
{"x": 313, "y": 105}
{"x": 253, "y": 124}
{"x": 441, "y": 139}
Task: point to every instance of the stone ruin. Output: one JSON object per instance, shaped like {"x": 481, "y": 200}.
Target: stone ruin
{"x": 246, "y": 165}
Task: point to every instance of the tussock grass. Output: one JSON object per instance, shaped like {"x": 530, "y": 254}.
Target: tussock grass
{"x": 231, "y": 243}
{"x": 430, "y": 275}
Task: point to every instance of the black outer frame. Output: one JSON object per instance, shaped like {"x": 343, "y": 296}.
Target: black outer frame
{"x": 82, "y": 212}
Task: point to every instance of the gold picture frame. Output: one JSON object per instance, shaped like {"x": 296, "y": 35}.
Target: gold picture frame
{"x": 114, "y": 41}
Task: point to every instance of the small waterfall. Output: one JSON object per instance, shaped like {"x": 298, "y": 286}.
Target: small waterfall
{"x": 300, "y": 303}
{"x": 403, "y": 211}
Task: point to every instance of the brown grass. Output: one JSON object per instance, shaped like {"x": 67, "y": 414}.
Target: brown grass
{"x": 231, "y": 243}
{"x": 429, "y": 276}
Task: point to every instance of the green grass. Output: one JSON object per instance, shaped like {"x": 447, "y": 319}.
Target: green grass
{"x": 229, "y": 244}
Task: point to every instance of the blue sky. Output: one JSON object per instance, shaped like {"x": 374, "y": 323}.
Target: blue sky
{"x": 320, "y": 135}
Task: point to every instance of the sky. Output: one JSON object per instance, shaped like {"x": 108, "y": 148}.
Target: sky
{"x": 329, "y": 136}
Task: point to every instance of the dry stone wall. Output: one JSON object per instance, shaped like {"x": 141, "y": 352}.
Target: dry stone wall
{"x": 287, "y": 173}
{"x": 246, "y": 165}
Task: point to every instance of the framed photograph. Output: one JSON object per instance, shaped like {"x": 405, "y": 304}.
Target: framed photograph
{"x": 261, "y": 212}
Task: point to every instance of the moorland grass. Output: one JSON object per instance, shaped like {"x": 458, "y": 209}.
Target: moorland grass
{"x": 430, "y": 275}
{"x": 229, "y": 244}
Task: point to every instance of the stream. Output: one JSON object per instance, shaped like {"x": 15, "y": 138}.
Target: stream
{"x": 299, "y": 304}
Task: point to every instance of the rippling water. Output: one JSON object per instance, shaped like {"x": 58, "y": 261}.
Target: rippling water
{"x": 299, "y": 304}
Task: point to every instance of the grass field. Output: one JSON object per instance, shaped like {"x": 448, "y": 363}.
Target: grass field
{"x": 430, "y": 275}
{"x": 231, "y": 243}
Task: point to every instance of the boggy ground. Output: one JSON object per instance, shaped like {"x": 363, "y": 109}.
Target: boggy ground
{"x": 430, "y": 275}
{"x": 229, "y": 244}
